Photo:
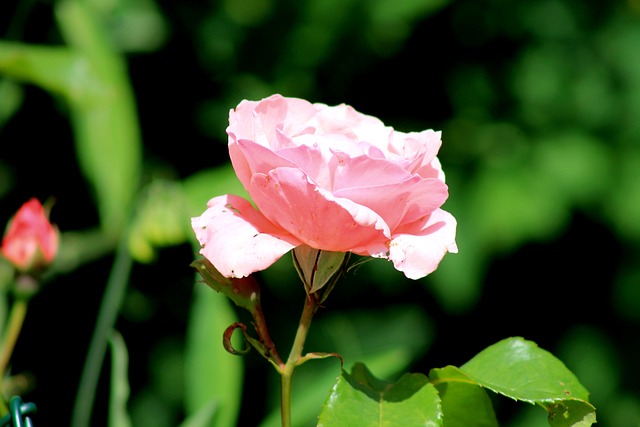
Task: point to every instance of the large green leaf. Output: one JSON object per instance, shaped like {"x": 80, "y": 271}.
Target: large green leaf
{"x": 360, "y": 399}
{"x": 93, "y": 79}
{"x": 464, "y": 402}
{"x": 513, "y": 367}
{"x": 213, "y": 377}
{"x": 519, "y": 369}
{"x": 104, "y": 115}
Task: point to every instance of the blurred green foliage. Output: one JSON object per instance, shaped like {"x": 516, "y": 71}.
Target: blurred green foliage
{"x": 118, "y": 110}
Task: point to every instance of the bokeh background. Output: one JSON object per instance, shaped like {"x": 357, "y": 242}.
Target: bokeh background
{"x": 115, "y": 110}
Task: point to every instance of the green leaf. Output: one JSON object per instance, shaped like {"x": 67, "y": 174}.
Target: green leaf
{"x": 93, "y": 79}
{"x": 104, "y": 116}
{"x": 212, "y": 376}
{"x": 571, "y": 413}
{"x": 50, "y": 67}
{"x": 464, "y": 402}
{"x": 519, "y": 369}
{"x": 118, "y": 415}
{"x": 360, "y": 399}
{"x": 387, "y": 341}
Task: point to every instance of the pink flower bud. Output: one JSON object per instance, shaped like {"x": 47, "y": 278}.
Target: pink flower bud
{"x": 30, "y": 241}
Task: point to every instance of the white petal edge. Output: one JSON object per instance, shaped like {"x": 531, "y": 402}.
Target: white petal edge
{"x": 419, "y": 255}
{"x": 237, "y": 238}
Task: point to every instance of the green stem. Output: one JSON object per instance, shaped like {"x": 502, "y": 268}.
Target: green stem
{"x": 286, "y": 375}
{"x": 16, "y": 319}
{"x": 109, "y": 308}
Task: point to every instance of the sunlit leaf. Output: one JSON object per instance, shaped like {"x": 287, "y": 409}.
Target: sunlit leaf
{"x": 360, "y": 399}
{"x": 464, "y": 402}
{"x": 519, "y": 369}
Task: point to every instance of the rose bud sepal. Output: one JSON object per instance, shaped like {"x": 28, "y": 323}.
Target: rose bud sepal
{"x": 244, "y": 292}
{"x": 319, "y": 269}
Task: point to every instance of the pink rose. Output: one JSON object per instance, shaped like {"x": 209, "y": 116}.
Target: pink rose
{"x": 330, "y": 178}
{"x": 30, "y": 242}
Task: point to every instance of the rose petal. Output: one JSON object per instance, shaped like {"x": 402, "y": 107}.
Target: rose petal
{"x": 314, "y": 216}
{"x": 345, "y": 120}
{"x": 418, "y": 255}
{"x": 237, "y": 239}
{"x": 289, "y": 115}
{"x": 426, "y": 144}
{"x": 249, "y": 158}
{"x": 401, "y": 202}
{"x": 259, "y": 120}
{"x": 363, "y": 171}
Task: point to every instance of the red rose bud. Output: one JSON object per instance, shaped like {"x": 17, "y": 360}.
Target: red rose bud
{"x": 30, "y": 241}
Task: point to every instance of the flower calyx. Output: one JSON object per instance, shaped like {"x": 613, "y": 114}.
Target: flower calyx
{"x": 244, "y": 292}
{"x": 319, "y": 269}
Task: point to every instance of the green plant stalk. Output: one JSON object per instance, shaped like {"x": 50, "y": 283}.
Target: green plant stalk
{"x": 16, "y": 320}
{"x": 109, "y": 308}
{"x": 286, "y": 374}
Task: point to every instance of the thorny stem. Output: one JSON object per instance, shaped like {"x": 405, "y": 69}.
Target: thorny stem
{"x": 261, "y": 327}
{"x": 286, "y": 374}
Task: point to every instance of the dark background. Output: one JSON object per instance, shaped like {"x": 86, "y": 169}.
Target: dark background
{"x": 538, "y": 103}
